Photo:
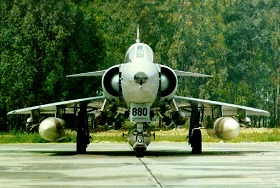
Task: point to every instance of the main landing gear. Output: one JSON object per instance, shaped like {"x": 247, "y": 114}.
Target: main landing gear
{"x": 195, "y": 138}
{"x": 83, "y": 137}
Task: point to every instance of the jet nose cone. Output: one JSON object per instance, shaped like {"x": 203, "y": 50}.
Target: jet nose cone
{"x": 140, "y": 78}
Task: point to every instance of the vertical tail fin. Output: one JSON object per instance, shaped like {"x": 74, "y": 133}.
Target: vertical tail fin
{"x": 138, "y": 35}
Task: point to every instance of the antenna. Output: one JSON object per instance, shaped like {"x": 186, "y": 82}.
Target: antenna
{"x": 138, "y": 35}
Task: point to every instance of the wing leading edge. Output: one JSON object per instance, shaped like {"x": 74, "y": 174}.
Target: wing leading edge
{"x": 93, "y": 102}
{"x": 190, "y": 74}
{"x": 85, "y": 74}
{"x": 227, "y": 109}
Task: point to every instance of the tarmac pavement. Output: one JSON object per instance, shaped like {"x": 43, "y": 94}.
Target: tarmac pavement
{"x": 115, "y": 165}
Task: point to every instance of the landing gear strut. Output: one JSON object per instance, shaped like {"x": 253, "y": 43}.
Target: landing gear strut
{"x": 82, "y": 130}
{"x": 195, "y": 138}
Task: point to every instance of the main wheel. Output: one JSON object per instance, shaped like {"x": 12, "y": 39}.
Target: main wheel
{"x": 81, "y": 142}
{"x": 196, "y": 141}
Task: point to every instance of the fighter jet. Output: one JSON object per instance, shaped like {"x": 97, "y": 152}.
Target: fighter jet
{"x": 140, "y": 89}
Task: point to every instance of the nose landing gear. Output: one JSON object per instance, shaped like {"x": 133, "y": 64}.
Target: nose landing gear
{"x": 139, "y": 138}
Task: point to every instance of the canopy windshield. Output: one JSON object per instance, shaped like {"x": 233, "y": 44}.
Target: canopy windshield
{"x": 139, "y": 50}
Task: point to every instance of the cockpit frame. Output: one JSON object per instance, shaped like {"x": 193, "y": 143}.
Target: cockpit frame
{"x": 139, "y": 50}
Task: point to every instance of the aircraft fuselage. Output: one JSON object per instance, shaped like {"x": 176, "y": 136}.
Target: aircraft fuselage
{"x": 140, "y": 81}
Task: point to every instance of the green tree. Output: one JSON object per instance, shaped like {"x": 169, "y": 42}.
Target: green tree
{"x": 253, "y": 56}
{"x": 41, "y": 42}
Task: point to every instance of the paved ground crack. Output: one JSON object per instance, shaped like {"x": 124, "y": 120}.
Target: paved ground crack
{"x": 149, "y": 170}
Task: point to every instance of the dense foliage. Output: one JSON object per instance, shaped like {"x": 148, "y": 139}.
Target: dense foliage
{"x": 235, "y": 41}
{"x": 40, "y": 43}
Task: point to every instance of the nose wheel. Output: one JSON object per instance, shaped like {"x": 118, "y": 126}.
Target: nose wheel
{"x": 140, "y": 145}
{"x": 139, "y": 138}
{"x": 140, "y": 152}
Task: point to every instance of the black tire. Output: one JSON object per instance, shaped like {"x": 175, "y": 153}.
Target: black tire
{"x": 81, "y": 141}
{"x": 140, "y": 153}
{"x": 196, "y": 141}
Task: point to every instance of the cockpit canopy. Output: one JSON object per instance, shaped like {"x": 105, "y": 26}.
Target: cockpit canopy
{"x": 139, "y": 50}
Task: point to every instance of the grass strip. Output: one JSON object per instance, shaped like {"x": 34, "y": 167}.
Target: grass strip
{"x": 174, "y": 135}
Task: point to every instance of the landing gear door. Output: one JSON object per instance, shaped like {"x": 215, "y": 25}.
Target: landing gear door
{"x": 140, "y": 112}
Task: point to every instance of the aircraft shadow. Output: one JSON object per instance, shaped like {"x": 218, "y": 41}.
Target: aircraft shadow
{"x": 149, "y": 153}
